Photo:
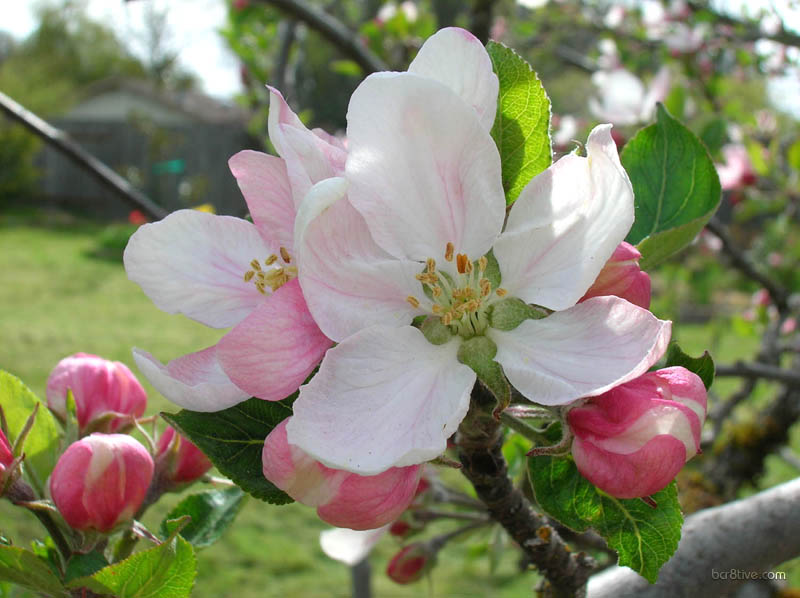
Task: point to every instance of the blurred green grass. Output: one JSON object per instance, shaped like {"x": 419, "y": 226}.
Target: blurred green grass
{"x": 58, "y": 299}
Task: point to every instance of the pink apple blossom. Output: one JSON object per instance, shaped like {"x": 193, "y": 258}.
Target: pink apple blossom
{"x": 623, "y": 98}
{"x": 101, "y": 481}
{"x": 178, "y": 460}
{"x": 107, "y": 394}
{"x": 224, "y": 271}
{"x": 622, "y": 277}
{"x": 341, "y": 498}
{"x": 416, "y": 228}
{"x": 634, "y": 439}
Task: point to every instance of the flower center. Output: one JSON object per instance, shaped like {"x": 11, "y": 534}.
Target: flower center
{"x": 461, "y": 301}
{"x": 275, "y": 276}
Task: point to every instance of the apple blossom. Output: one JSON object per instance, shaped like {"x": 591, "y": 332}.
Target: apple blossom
{"x": 623, "y": 98}
{"x": 737, "y": 171}
{"x": 622, "y": 277}
{"x": 341, "y": 498}
{"x": 416, "y": 228}
{"x": 101, "y": 481}
{"x": 350, "y": 546}
{"x": 178, "y": 460}
{"x": 633, "y": 440}
{"x": 107, "y": 394}
{"x": 224, "y": 271}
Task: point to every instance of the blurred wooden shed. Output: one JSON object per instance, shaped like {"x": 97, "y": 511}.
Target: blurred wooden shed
{"x": 174, "y": 146}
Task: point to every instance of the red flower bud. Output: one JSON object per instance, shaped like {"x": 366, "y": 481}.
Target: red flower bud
{"x": 101, "y": 480}
{"x": 400, "y": 529}
{"x": 410, "y": 564}
{"x": 101, "y": 388}
{"x": 178, "y": 460}
{"x": 622, "y": 277}
{"x": 6, "y": 456}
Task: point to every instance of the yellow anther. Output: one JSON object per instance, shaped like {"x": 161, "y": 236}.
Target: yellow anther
{"x": 261, "y": 274}
{"x": 447, "y": 319}
{"x": 436, "y": 308}
{"x": 448, "y": 252}
{"x": 483, "y": 263}
{"x": 461, "y": 263}
{"x": 472, "y": 305}
{"x": 437, "y": 291}
{"x": 486, "y": 287}
{"x": 468, "y": 267}
{"x": 248, "y": 276}
{"x": 431, "y": 263}
{"x": 285, "y": 255}
{"x": 413, "y": 301}
{"x": 255, "y": 265}
{"x": 501, "y": 292}
{"x": 271, "y": 260}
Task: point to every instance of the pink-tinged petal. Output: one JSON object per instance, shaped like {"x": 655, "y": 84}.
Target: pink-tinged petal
{"x": 423, "y": 171}
{"x": 580, "y": 352}
{"x": 275, "y": 348}
{"x": 265, "y": 186}
{"x": 194, "y": 263}
{"x": 566, "y": 224}
{"x": 350, "y": 546}
{"x": 348, "y": 281}
{"x": 195, "y": 381}
{"x": 385, "y": 397}
{"x": 309, "y": 157}
{"x": 622, "y": 277}
{"x": 342, "y": 498}
{"x": 458, "y": 59}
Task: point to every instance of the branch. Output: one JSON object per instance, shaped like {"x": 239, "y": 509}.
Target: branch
{"x": 766, "y": 524}
{"x": 64, "y": 143}
{"x": 743, "y": 369}
{"x": 479, "y": 442}
{"x": 333, "y": 30}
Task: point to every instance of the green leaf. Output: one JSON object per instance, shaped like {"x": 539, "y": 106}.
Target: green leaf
{"x": 41, "y": 445}
{"x": 84, "y": 565}
{"x": 211, "y": 513}
{"x": 166, "y": 571}
{"x": 233, "y": 439}
{"x": 644, "y": 537}
{"x": 703, "y": 366}
{"x": 522, "y": 126}
{"x": 675, "y": 184}
{"x": 24, "y": 568}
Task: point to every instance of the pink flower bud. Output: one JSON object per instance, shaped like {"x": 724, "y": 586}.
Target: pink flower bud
{"x": 6, "y": 456}
{"x": 178, "y": 460}
{"x": 634, "y": 439}
{"x": 100, "y": 387}
{"x": 622, "y": 277}
{"x": 410, "y": 564}
{"x": 342, "y": 498}
{"x": 101, "y": 480}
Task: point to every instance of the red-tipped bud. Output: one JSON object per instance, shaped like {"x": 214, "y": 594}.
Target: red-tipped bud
{"x": 6, "y": 456}
{"x": 101, "y": 481}
{"x": 633, "y": 440}
{"x": 107, "y": 394}
{"x": 178, "y": 461}
{"x": 622, "y": 277}
{"x": 410, "y": 564}
{"x": 342, "y": 498}
{"x": 400, "y": 529}
{"x": 422, "y": 487}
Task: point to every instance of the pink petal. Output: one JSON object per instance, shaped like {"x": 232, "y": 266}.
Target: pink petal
{"x": 195, "y": 381}
{"x": 458, "y": 59}
{"x": 385, "y": 397}
{"x": 580, "y": 352}
{"x": 565, "y": 225}
{"x": 423, "y": 171}
{"x": 265, "y": 186}
{"x": 194, "y": 263}
{"x": 275, "y": 348}
{"x": 622, "y": 277}
{"x": 349, "y": 282}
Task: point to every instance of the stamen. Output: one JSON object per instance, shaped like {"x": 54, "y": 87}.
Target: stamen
{"x": 431, "y": 263}
{"x": 255, "y": 265}
{"x": 437, "y": 292}
{"x": 501, "y": 292}
{"x": 447, "y": 319}
{"x": 285, "y": 255}
{"x": 448, "y": 252}
{"x": 461, "y": 263}
{"x": 436, "y": 308}
{"x": 486, "y": 287}
{"x": 468, "y": 266}
{"x": 483, "y": 263}
{"x": 271, "y": 260}
{"x": 248, "y": 276}
{"x": 413, "y": 301}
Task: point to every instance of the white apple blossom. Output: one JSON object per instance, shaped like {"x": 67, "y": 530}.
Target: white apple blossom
{"x": 623, "y": 98}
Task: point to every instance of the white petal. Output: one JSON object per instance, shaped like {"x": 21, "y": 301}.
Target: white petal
{"x": 195, "y": 381}
{"x": 194, "y": 263}
{"x": 350, "y": 546}
{"x": 581, "y": 352}
{"x": 458, "y": 59}
{"x": 423, "y": 171}
{"x": 385, "y": 397}
{"x": 565, "y": 225}
{"x": 348, "y": 281}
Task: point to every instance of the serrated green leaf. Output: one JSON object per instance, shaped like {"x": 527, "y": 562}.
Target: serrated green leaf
{"x": 703, "y": 366}
{"x": 522, "y": 126}
{"x": 22, "y": 567}
{"x": 675, "y": 184}
{"x": 41, "y": 445}
{"x": 644, "y": 537}
{"x": 84, "y": 565}
{"x": 234, "y": 438}
{"x": 166, "y": 571}
{"x": 211, "y": 513}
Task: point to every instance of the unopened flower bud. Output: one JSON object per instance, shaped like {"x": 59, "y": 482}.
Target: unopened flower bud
{"x": 6, "y": 456}
{"x": 622, "y": 277}
{"x": 101, "y": 481}
{"x": 411, "y": 563}
{"x": 107, "y": 394}
{"x": 633, "y": 440}
{"x": 342, "y": 498}
{"x": 179, "y": 461}
{"x": 400, "y": 528}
